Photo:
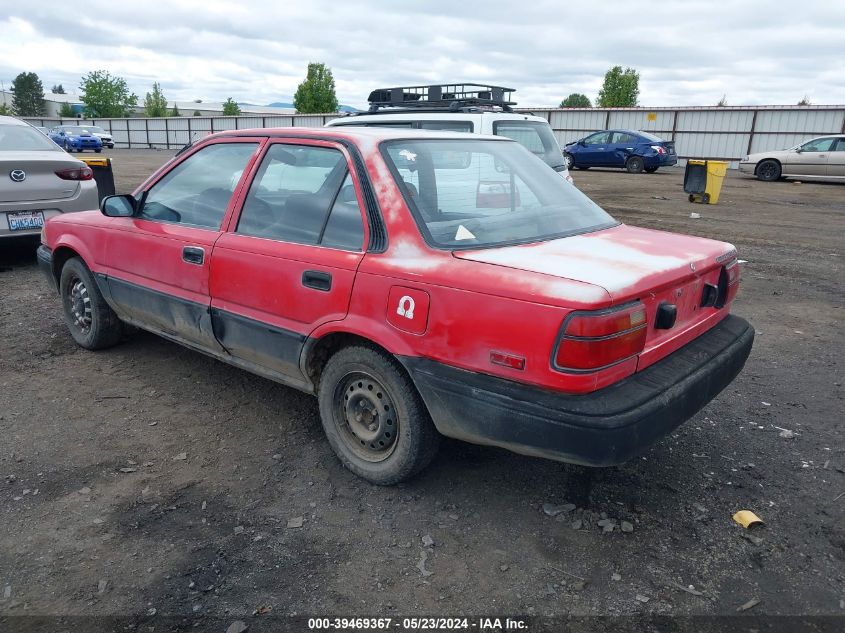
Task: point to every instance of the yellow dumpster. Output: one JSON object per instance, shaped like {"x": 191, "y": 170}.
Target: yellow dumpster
{"x": 703, "y": 180}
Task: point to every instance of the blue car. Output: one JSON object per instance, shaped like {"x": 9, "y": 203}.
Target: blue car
{"x": 74, "y": 138}
{"x": 635, "y": 151}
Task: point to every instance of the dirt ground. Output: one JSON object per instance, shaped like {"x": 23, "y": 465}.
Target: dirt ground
{"x": 148, "y": 479}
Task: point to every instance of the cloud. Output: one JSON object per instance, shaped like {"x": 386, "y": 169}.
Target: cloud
{"x": 687, "y": 52}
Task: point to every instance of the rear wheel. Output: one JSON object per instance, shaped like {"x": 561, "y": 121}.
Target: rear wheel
{"x": 98, "y": 150}
{"x": 768, "y": 170}
{"x": 634, "y": 165}
{"x": 651, "y": 170}
{"x": 92, "y": 323}
{"x": 373, "y": 417}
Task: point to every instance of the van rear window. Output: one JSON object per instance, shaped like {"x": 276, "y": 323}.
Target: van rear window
{"x": 535, "y": 136}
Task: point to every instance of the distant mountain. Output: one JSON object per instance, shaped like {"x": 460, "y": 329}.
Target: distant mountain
{"x": 282, "y": 104}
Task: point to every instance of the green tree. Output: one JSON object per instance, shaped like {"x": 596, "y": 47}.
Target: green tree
{"x": 106, "y": 95}
{"x": 57, "y": 89}
{"x": 155, "y": 103}
{"x": 29, "y": 95}
{"x": 316, "y": 94}
{"x": 723, "y": 101}
{"x": 805, "y": 101}
{"x": 621, "y": 89}
{"x": 576, "y": 100}
{"x": 5, "y": 110}
{"x": 66, "y": 111}
{"x": 197, "y": 113}
{"x": 175, "y": 111}
{"x": 230, "y": 108}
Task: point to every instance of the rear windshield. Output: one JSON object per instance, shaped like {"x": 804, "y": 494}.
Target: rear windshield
{"x": 16, "y": 138}
{"x": 650, "y": 137}
{"x": 475, "y": 193}
{"x": 535, "y": 136}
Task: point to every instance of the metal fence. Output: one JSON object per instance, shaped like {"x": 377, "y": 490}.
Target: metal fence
{"x": 725, "y": 133}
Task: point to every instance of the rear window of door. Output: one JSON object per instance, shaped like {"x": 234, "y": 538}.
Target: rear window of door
{"x": 305, "y": 195}
{"x": 535, "y": 136}
{"x": 197, "y": 191}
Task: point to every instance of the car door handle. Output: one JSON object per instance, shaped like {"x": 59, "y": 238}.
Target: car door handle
{"x": 193, "y": 255}
{"x": 317, "y": 279}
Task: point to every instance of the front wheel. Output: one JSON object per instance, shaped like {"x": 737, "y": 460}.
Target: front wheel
{"x": 98, "y": 150}
{"x": 634, "y": 165}
{"x": 373, "y": 417}
{"x": 570, "y": 162}
{"x": 92, "y": 323}
{"x": 768, "y": 170}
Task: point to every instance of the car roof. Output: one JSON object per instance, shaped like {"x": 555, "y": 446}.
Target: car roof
{"x": 401, "y": 114}
{"x": 10, "y": 120}
{"x": 351, "y": 132}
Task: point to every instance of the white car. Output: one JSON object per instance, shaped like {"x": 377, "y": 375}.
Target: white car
{"x": 104, "y": 136}
{"x": 473, "y": 108}
{"x": 822, "y": 157}
{"x": 38, "y": 180}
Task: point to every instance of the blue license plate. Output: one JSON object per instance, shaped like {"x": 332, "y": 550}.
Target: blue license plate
{"x": 25, "y": 220}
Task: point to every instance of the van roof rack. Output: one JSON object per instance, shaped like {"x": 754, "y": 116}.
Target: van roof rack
{"x": 452, "y": 97}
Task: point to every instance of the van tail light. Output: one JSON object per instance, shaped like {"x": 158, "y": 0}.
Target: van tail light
{"x": 76, "y": 173}
{"x": 594, "y": 340}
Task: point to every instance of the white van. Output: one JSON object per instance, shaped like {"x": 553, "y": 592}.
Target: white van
{"x": 472, "y": 108}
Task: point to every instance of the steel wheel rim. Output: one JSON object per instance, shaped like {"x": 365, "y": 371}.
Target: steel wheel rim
{"x": 365, "y": 417}
{"x": 79, "y": 306}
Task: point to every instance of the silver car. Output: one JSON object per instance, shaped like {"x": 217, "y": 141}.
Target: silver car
{"x": 819, "y": 158}
{"x": 99, "y": 132}
{"x": 38, "y": 180}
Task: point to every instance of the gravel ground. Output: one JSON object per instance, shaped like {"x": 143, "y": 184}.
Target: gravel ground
{"x": 150, "y": 479}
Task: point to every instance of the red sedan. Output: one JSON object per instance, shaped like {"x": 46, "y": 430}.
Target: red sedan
{"x": 419, "y": 284}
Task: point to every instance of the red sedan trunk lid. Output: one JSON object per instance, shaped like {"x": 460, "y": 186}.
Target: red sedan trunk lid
{"x": 631, "y": 263}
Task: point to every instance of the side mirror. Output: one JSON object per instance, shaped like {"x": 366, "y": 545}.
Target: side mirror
{"x": 798, "y": 150}
{"x": 118, "y": 206}
{"x": 347, "y": 194}
{"x": 582, "y": 143}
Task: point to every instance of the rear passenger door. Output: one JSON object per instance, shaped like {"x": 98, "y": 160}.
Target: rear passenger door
{"x": 836, "y": 162}
{"x": 288, "y": 260}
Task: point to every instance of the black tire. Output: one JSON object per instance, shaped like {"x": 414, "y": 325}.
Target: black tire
{"x": 634, "y": 165}
{"x": 373, "y": 417}
{"x": 92, "y": 323}
{"x": 569, "y": 160}
{"x": 581, "y": 167}
{"x": 651, "y": 170}
{"x": 768, "y": 170}
{"x": 98, "y": 150}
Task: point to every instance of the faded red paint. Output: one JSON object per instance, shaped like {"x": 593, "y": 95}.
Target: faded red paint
{"x": 511, "y": 300}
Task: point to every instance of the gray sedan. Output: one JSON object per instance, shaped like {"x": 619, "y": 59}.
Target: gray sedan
{"x": 38, "y": 180}
{"x": 822, "y": 157}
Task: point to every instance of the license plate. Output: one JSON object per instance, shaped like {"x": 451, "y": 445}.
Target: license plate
{"x": 24, "y": 220}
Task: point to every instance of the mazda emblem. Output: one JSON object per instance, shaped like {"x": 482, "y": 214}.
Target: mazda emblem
{"x": 17, "y": 175}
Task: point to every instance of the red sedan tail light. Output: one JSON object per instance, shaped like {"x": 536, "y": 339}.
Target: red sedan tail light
{"x": 76, "y": 173}
{"x": 594, "y": 340}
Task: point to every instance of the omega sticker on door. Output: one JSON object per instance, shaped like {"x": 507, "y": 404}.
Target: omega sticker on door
{"x": 407, "y": 309}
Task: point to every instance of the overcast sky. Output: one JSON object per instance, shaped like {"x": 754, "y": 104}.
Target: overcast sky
{"x": 688, "y": 52}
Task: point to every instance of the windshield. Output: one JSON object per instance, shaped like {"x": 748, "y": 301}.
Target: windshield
{"x": 535, "y": 136}
{"x": 76, "y": 130}
{"x": 472, "y": 193}
{"x": 15, "y": 138}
